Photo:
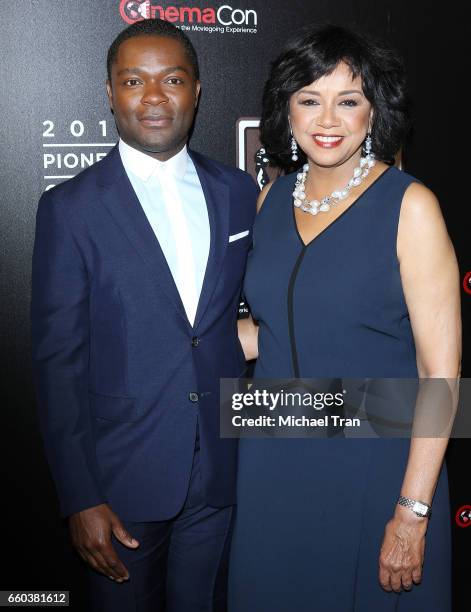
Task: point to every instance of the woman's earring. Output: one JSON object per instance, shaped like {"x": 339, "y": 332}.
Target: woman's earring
{"x": 368, "y": 145}
{"x": 294, "y": 148}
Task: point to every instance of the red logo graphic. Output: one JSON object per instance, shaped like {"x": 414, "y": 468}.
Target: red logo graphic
{"x": 137, "y": 10}
{"x": 467, "y": 282}
{"x": 463, "y": 516}
{"x": 134, "y": 10}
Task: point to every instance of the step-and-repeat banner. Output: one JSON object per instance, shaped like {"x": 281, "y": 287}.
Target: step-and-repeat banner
{"x": 55, "y": 121}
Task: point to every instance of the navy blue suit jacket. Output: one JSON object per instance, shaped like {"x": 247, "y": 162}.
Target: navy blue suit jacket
{"x": 115, "y": 358}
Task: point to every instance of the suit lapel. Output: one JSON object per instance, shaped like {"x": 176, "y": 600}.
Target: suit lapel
{"x": 119, "y": 197}
{"x": 216, "y": 193}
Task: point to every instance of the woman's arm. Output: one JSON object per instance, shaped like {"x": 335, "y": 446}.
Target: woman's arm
{"x": 430, "y": 280}
{"x": 248, "y": 331}
{"x": 248, "y": 336}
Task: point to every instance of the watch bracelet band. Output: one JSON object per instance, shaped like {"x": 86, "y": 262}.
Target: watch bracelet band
{"x": 410, "y": 503}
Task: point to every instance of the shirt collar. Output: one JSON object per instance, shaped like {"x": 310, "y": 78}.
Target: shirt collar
{"x": 144, "y": 166}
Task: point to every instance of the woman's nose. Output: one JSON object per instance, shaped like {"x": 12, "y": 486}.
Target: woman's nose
{"x": 327, "y": 118}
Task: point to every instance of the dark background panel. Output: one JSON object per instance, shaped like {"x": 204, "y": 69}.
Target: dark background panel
{"x": 53, "y": 69}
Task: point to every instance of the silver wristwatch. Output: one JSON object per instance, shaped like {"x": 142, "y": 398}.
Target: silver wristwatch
{"x": 418, "y": 507}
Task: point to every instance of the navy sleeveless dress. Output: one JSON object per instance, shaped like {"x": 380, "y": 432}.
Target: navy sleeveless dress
{"x": 312, "y": 512}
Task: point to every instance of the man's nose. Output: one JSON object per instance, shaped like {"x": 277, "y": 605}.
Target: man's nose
{"x": 154, "y": 94}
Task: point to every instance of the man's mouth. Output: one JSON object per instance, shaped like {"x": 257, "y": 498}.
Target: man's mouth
{"x": 156, "y": 120}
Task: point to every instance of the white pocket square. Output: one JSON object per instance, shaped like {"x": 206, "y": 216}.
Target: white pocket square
{"x": 238, "y": 236}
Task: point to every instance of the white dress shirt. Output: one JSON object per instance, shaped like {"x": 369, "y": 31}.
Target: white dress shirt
{"x": 171, "y": 196}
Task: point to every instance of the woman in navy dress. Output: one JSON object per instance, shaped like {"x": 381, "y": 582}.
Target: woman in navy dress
{"x": 352, "y": 274}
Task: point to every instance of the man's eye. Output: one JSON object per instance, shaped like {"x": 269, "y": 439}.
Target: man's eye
{"x": 131, "y": 82}
{"x": 174, "y": 81}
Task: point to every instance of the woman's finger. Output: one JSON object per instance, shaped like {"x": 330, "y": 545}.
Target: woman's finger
{"x": 396, "y": 583}
{"x": 406, "y": 580}
{"x": 417, "y": 575}
{"x": 384, "y": 579}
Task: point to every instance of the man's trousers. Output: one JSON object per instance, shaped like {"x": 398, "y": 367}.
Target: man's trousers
{"x": 180, "y": 564}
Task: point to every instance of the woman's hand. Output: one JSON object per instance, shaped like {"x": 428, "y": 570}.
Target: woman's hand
{"x": 402, "y": 551}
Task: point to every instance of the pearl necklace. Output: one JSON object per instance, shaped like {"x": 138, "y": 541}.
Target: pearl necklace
{"x": 328, "y": 201}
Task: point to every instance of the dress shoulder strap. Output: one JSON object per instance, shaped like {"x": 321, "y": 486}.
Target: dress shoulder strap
{"x": 280, "y": 191}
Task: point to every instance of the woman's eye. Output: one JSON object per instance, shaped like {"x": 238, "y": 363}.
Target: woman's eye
{"x": 308, "y": 102}
{"x": 349, "y": 103}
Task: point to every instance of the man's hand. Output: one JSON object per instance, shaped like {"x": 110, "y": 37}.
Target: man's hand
{"x": 91, "y": 531}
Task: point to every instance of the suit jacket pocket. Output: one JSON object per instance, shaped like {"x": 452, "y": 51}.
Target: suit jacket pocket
{"x": 114, "y": 408}
{"x": 242, "y": 242}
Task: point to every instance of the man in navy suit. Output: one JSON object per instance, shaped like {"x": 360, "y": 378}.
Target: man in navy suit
{"x": 137, "y": 270}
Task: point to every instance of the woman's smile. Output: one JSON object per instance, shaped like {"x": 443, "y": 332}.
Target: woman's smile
{"x": 327, "y": 142}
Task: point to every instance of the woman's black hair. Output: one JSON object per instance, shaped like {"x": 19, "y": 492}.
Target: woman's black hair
{"x": 316, "y": 52}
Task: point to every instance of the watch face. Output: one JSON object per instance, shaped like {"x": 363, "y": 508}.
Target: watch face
{"x": 420, "y": 508}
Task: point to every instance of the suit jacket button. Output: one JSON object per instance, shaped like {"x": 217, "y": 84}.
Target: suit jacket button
{"x": 194, "y": 397}
{"x": 194, "y": 342}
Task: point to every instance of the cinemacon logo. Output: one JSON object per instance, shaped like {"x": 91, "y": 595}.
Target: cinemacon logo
{"x": 135, "y": 10}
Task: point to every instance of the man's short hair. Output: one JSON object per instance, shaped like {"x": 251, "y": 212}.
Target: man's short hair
{"x": 158, "y": 28}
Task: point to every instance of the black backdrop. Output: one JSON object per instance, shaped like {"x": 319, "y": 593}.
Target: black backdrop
{"x": 53, "y": 73}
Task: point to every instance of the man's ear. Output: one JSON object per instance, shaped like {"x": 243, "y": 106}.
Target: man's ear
{"x": 109, "y": 92}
